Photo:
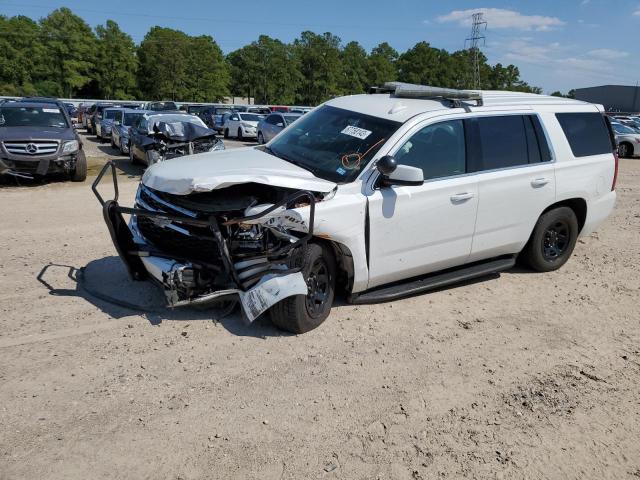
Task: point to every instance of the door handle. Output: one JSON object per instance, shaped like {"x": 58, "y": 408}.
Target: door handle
{"x": 539, "y": 182}
{"x": 461, "y": 197}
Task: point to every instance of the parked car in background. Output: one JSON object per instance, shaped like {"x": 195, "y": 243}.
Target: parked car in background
{"x": 105, "y": 124}
{"x": 82, "y": 108}
{"x": 628, "y": 140}
{"x": 213, "y": 116}
{"x": 95, "y": 114}
{"x": 38, "y": 139}
{"x": 279, "y": 108}
{"x": 72, "y": 111}
{"x": 263, "y": 110}
{"x": 145, "y": 144}
{"x": 299, "y": 110}
{"x": 161, "y": 106}
{"x": 120, "y": 130}
{"x": 242, "y": 125}
{"x": 273, "y": 124}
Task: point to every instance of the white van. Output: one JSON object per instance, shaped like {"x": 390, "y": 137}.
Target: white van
{"x": 379, "y": 195}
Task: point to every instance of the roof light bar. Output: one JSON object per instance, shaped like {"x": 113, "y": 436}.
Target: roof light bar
{"x": 409, "y": 90}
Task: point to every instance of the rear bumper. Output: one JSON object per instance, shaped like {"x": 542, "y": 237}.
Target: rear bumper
{"x": 597, "y": 212}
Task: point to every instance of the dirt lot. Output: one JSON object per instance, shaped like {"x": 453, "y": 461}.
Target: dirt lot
{"x": 522, "y": 376}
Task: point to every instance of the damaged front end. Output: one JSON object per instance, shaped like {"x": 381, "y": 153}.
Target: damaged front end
{"x": 246, "y": 240}
{"x": 176, "y": 139}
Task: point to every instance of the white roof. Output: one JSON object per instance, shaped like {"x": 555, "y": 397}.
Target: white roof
{"x": 387, "y": 105}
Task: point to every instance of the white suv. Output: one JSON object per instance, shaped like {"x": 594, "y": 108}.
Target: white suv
{"x": 242, "y": 125}
{"x": 380, "y": 195}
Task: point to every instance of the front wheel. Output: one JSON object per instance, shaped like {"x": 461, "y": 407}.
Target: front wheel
{"x": 132, "y": 157}
{"x": 625, "y": 150}
{"x": 260, "y": 138}
{"x": 552, "y": 241}
{"x": 239, "y": 134}
{"x": 302, "y": 313}
{"x": 79, "y": 173}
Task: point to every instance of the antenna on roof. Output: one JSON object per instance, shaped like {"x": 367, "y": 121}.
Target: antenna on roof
{"x": 410, "y": 90}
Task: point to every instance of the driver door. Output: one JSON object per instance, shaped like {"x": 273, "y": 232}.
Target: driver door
{"x": 416, "y": 230}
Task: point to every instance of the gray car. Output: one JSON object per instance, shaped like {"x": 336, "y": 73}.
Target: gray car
{"x": 120, "y": 130}
{"x": 274, "y": 124}
{"x": 37, "y": 139}
{"x": 104, "y": 124}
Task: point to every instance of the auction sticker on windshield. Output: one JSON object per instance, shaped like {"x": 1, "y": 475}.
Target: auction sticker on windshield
{"x": 50, "y": 110}
{"x": 360, "y": 133}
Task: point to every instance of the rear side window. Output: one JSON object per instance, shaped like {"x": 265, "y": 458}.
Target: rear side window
{"x": 587, "y": 133}
{"x": 508, "y": 141}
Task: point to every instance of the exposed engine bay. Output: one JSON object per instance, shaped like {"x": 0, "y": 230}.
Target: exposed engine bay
{"x": 246, "y": 239}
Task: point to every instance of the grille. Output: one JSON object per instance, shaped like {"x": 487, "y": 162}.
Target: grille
{"x": 31, "y": 148}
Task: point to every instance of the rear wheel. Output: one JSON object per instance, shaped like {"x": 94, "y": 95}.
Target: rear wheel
{"x": 302, "y": 313}
{"x": 552, "y": 241}
{"x": 625, "y": 150}
{"x": 113, "y": 144}
{"x": 79, "y": 174}
{"x": 226, "y": 133}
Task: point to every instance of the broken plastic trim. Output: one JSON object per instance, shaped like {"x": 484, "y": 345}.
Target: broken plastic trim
{"x": 127, "y": 249}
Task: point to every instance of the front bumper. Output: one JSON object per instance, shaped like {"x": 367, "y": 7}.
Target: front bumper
{"x": 143, "y": 260}
{"x": 30, "y": 167}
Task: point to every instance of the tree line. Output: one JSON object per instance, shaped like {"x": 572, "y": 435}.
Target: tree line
{"x": 60, "y": 55}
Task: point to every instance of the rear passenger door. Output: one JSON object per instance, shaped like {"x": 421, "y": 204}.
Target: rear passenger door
{"x": 516, "y": 181}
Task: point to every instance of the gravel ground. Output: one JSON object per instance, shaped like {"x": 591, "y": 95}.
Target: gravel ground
{"x": 522, "y": 376}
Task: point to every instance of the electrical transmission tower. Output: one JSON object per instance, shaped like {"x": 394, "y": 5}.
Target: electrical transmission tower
{"x": 474, "y": 49}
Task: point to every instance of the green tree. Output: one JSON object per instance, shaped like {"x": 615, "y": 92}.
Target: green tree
{"x": 163, "y": 64}
{"x": 319, "y": 60}
{"x": 116, "y": 62}
{"x": 246, "y": 70}
{"x": 354, "y": 78}
{"x": 70, "y": 51}
{"x": 207, "y": 73}
{"x": 382, "y": 65}
{"x": 426, "y": 65}
{"x": 21, "y": 55}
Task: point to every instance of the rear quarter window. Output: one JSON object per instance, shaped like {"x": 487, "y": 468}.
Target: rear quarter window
{"x": 586, "y": 132}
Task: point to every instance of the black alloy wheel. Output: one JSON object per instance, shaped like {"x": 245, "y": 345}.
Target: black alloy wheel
{"x": 318, "y": 283}
{"x": 556, "y": 240}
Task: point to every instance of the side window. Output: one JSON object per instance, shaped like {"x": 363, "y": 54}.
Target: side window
{"x": 234, "y": 117}
{"x": 272, "y": 120}
{"x": 438, "y": 149}
{"x": 587, "y": 133}
{"x": 503, "y": 141}
{"x": 118, "y": 117}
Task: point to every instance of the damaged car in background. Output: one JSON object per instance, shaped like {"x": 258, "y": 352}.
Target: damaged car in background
{"x": 381, "y": 196}
{"x": 155, "y": 137}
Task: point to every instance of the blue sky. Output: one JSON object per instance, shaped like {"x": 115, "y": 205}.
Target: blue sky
{"x": 557, "y": 44}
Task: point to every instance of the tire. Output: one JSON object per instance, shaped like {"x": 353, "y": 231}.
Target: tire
{"x": 625, "y": 150}
{"x": 240, "y": 134}
{"x": 226, "y": 133}
{"x": 113, "y": 144}
{"x": 303, "y": 313}
{"x": 79, "y": 174}
{"x": 132, "y": 157}
{"x": 152, "y": 157}
{"x": 552, "y": 241}
{"x": 260, "y": 138}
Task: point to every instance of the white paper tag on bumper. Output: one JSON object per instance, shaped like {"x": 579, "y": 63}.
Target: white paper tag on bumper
{"x": 269, "y": 291}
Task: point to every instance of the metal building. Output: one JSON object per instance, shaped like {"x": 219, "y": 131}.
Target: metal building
{"x": 615, "y": 98}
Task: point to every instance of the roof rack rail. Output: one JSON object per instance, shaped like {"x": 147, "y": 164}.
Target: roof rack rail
{"x": 410, "y": 90}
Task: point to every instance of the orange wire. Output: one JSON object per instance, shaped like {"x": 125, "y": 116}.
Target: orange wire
{"x": 345, "y": 161}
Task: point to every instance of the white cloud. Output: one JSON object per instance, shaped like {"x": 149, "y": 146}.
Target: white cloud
{"x": 502, "y": 18}
{"x": 636, "y": 13}
{"x": 607, "y": 54}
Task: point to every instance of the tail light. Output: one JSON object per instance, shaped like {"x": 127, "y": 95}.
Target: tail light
{"x": 615, "y": 171}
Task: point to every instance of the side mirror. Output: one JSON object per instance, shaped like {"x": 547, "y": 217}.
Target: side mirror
{"x": 394, "y": 174}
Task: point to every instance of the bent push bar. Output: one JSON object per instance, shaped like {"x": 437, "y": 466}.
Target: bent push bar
{"x": 129, "y": 250}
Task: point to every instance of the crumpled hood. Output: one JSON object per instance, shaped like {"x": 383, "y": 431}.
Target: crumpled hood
{"x": 214, "y": 170}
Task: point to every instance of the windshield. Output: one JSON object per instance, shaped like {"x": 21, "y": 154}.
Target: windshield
{"x": 175, "y": 118}
{"x": 332, "y": 143}
{"x": 622, "y": 128}
{"x": 129, "y": 118}
{"x": 289, "y": 119}
{"x": 49, "y": 116}
{"x": 251, "y": 117}
{"x": 110, "y": 114}
{"x": 222, "y": 111}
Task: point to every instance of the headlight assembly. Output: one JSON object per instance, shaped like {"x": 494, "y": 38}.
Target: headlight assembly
{"x": 70, "y": 147}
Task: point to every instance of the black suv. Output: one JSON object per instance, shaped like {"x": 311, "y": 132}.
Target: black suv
{"x": 37, "y": 139}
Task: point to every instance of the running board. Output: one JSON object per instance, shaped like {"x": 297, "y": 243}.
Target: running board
{"x": 433, "y": 281}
